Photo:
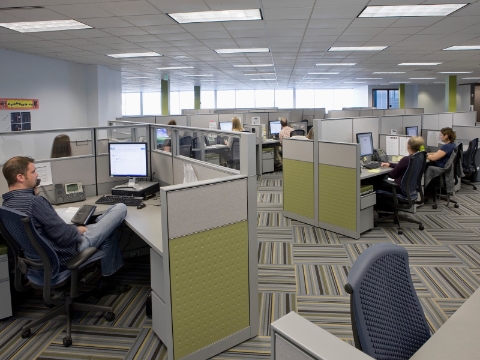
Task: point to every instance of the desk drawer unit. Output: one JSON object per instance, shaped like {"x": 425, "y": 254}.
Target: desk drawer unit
{"x": 268, "y": 164}
{"x": 368, "y": 200}
{"x": 159, "y": 317}
{"x": 5, "y": 299}
{"x": 158, "y": 280}
{"x": 267, "y": 154}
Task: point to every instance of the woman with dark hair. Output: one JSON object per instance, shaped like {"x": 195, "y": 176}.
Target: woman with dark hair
{"x": 441, "y": 157}
{"x": 61, "y": 147}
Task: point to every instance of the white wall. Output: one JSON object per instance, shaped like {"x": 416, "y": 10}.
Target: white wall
{"x": 463, "y": 98}
{"x": 62, "y": 90}
{"x": 411, "y": 96}
{"x": 360, "y": 97}
{"x": 431, "y": 98}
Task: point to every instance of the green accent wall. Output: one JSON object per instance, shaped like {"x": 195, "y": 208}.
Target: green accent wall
{"x": 165, "y": 93}
{"x": 401, "y": 91}
{"x": 196, "y": 100}
{"x": 337, "y": 196}
{"x": 209, "y": 286}
{"x": 298, "y": 188}
{"x": 451, "y": 93}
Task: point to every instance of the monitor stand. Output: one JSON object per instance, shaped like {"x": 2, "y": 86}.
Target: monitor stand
{"x": 131, "y": 184}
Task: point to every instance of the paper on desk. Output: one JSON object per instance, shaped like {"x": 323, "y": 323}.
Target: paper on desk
{"x": 44, "y": 171}
{"x": 403, "y": 145}
{"x": 392, "y": 145}
{"x": 72, "y": 210}
{"x": 66, "y": 214}
{"x": 374, "y": 170}
{"x": 433, "y": 138}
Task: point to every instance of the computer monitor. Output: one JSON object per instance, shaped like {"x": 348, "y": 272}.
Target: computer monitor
{"x": 366, "y": 143}
{"x": 275, "y": 127}
{"x": 411, "y": 130}
{"x": 226, "y": 126}
{"x": 128, "y": 159}
{"x": 162, "y": 134}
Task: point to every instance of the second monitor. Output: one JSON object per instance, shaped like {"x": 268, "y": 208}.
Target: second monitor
{"x": 226, "y": 126}
{"x": 366, "y": 143}
{"x": 275, "y": 127}
{"x": 411, "y": 130}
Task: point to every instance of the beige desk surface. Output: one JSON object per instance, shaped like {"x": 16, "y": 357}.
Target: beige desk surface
{"x": 458, "y": 338}
{"x": 368, "y": 174}
{"x": 146, "y": 222}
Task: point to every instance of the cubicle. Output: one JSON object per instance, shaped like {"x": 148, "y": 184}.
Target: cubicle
{"x": 352, "y": 112}
{"x": 203, "y": 249}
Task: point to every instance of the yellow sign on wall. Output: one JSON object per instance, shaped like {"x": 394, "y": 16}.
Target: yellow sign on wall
{"x": 17, "y": 104}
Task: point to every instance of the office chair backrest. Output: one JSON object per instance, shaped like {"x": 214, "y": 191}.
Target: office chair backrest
{"x": 298, "y": 132}
{"x": 411, "y": 183}
{"x": 468, "y": 163}
{"x": 387, "y": 319}
{"x": 235, "y": 149}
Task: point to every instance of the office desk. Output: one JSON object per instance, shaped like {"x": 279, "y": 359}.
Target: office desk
{"x": 458, "y": 338}
{"x": 268, "y": 155}
{"x": 369, "y": 173}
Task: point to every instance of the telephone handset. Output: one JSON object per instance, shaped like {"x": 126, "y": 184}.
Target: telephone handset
{"x": 68, "y": 193}
{"x": 379, "y": 155}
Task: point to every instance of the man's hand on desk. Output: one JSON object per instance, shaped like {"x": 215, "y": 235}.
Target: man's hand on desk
{"x": 385, "y": 164}
{"x": 81, "y": 229}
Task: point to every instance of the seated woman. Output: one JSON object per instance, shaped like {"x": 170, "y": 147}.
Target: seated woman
{"x": 61, "y": 147}
{"x": 167, "y": 145}
{"x": 236, "y": 126}
{"x": 441, "y": 157}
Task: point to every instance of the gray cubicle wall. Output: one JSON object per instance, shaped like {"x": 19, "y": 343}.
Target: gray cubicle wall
{"x": 203, "y": 120}
{"x": 181, "y": 120}
{"x": 399, "y": 123}
{"x": 468, "y": 118}
{"x": 228, "y": 117}
{"x": 274, "y": 116}
{"x": 150, "y": 119}
{"x": 364, "y": 125}
{"x": 336, "y": 130}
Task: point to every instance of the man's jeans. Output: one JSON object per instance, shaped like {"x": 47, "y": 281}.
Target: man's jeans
{"x": 102, "y": 236}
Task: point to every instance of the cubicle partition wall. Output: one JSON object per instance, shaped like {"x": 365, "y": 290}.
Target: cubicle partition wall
{"x": 371, "y": 112}
{"x": 345, "y": 130}
{"x": 399, "y": 123}
{"x": 181, "y": 120}
{"x": 438, "y": 121}
{"x": 203, "y": 120}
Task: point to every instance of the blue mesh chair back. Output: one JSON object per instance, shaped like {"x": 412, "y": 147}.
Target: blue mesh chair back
{"x": 387, "y": 319}
{"x": 468, "y": 163}
{"x": 12, "y": 221}
{"x": 411, "y": 181}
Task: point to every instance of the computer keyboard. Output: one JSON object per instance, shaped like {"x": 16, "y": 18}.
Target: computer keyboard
{"x": 372, "y": 165}
{"x": 115, "y": 199}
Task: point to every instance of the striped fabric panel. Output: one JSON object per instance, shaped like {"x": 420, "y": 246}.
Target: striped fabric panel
{"x": 275, "y": 253}
{"x": 272, "y": 306}
{"x": 454, "y": 236}
{"x": 321, "y": 279}
{"x": 313, "y": 235}
{"x": 320, "y": 254}
{"x": 272, "y": 219}
{"x": 257, "y": 348}
{"x": 445, "y": 282}
{"x": 434, "y": 314}
{"x": 283, "y": 234}
{"x": 277, "y": 278}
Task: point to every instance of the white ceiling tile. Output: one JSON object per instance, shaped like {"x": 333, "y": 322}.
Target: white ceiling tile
{"x": 102, "y": 23}
{"x": 377, "y": 22}
{"x": 341, "y": 12}
{"x": 174, "y": 6}
{"x": 126, "y": 8}
{"x": 87, "y": 33}
{"x": 125, "y": 31}
{"x": 212, "y": 35}
{"x": 6, "y": 17}
{"x": 176, "y": 36}
{"x": 149, "y": 20}
{"x": 80, "y": 11}
{"x": 286, "y": 13}
{"x": 140, "y": 38}
{"x": 37, "y": 15}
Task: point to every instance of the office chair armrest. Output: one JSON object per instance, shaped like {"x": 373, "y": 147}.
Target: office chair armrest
{"x": 77, "y": 260}
{"x": 391, "y": 183}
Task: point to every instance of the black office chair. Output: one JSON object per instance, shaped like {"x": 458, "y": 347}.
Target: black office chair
{"x": 297, "y": 132}
{"x": 403, "y": 196}
{"x": 308, "y": 128}
{"x": 234, "y": 159}
{"x": 387, "y": 319}
{"x": 185, "y": 146}
{"x": 468, "y": 164}
{"x": 37, "y": 266}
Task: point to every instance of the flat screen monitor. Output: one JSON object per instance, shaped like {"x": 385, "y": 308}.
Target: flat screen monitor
{"x": 162, "y": 134}
{"x": 128, "y": 159}
{"x": 226, "y": 126}
{"x": 275, "y": 127}
{"x": 366, "y": 143}
{"x": 411, "y": 130}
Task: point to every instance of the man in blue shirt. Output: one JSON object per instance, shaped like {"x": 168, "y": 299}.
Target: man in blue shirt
{"x": 66, "y": 239}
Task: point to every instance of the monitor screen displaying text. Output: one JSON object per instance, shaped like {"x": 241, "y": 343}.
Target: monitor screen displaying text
{"x": 128, "y": 159}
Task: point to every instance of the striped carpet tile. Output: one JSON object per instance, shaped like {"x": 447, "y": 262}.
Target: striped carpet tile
{"x": 320, "y": 254}
{"x": 275, "y": 253}
{"x": 12, "y": 346}
{"x": 410, "y": 236}
{"x": 257, "y": 348}
{"x": 277, "y": 278}
{"x": 321, "y": 279}
{"x": 270, "y": 197}
{"x": 469, "y": 254}
{"x": 332, "y": 313}
{"x": 268, "y": 233}
{"x": 147, "y": 346}
{"x": 455, "y": 236}
{"x": 449, "y": 306}
{"x": 272, "y": 219}
{"x": 445, "y": 282}
{"x": 463, "y": 210}
{"x": 475, "y": 271}
{"x": 440, "y": 221}
{"x": 434, "y": 314}
{"x": 269, "y": 207}
{"x": 92, "y": 342}
{"x": 313, "y": 235}
{"x": 421, "y": 255}
{"x": 467, "y": 221}
{"x": 373, "y": 236}
{"x": 272, "y": 306}
{"x": 354, "y": 250}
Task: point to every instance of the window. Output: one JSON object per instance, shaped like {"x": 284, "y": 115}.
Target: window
{"x": 132, "y": 104}
{"x": 207, "y": 99}
{"x": 284, "y": 99}
{"x": 186, "y": 100}
{"x": 151, "y": 103}
{"x": 324, "y": 98}
{"x": 226, "y": 99}
{"x": 245, "y": 99}
{"x": 305, "y": 99}
{"x": 264, "y": 98}
{"x": 342, "y": 98}
{"x": 175, "y": 103}
{"x": 385, "y": 99}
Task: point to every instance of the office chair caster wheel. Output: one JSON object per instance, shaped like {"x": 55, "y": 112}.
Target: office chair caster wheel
{"x": 434, "y": 206}
{"x": 26, "y": 334}
{"x": 421, "y": 227}
{"x": 110, "y": 316}
{"x": 67, "y": 342}
{"x": 400, "y": 232}
{"x": 456, "y": 206}
{"x": 474, "y": 188}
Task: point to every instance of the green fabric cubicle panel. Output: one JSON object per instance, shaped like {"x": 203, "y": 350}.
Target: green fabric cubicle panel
{"x": 298, "y": 187}
{"x": 209, "y": 286}
{"x": 337, "y": 196}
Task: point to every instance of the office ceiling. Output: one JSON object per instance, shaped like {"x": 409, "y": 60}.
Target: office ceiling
{"x": 298, "y": 33}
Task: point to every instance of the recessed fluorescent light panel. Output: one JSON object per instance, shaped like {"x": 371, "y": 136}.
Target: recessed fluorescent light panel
{"x": 399, "y": 82}
{"x": 259, "y": 74}
{"x": 323, "y": 73}
{"x": 337, "y": 64}
{"x": 133, "y": 55}
{"x": 410, "y": 10}
{"x": 39, "y": 26}
{"x": 137, "y": 77}
{"x": 175, "y": 68}
{"x": 369, "y": 78}
{"x": 199, "y": 75}
{"x": 422, "y": 78}
{"x": 471, "y": 78}
{"x": 257, "y": 65}
{"x": 213, "y": 16}
{"x": 389, "y": 72}
{"x": 263, "y": 79}
{"x": 236, "y": 51}
{"x": 455, "y": 72}
{"x": 420, "y": 64}
{"x": 357, "y": 48}
{"x": 466, "y": 47}
{"x": 354, "y": 82}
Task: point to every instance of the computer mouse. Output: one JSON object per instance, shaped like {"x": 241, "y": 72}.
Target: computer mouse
{"x": 141, "y": 206}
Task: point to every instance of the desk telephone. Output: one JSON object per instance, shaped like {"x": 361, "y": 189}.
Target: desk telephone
{"x": 379, "y": 155}
{"x": 68, "y": 193}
